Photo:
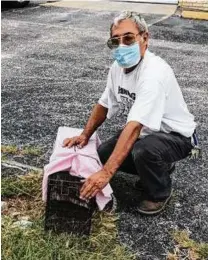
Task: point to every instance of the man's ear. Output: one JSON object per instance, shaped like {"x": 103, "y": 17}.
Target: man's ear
{"x": 145, "y": 37}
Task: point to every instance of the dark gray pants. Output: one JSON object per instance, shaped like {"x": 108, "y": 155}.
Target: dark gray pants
{"x": 150, "y": 158}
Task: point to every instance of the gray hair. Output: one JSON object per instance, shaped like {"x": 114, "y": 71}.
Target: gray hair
{"x": 135, "y": 17}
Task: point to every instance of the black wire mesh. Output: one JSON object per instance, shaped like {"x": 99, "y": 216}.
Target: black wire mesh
{"x": 65, "y": 211}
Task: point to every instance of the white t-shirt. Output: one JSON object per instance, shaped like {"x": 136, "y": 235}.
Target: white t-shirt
{"x": 150, "y": 95}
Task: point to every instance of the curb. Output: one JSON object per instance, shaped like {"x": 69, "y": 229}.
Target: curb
{"x": 199, "y": 15}
{"x": 197, "y": 5}
{"x": 194, "y": 9}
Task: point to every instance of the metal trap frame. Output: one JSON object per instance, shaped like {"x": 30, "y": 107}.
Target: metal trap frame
{"x": 65, "y": 211}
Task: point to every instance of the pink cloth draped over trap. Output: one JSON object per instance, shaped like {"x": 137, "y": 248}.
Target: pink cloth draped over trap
{"x": 79, "y": 162}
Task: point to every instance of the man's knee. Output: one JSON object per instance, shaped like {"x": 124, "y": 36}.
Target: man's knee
{"x": 145, "y": 150}
{"x": 139, "y": 153}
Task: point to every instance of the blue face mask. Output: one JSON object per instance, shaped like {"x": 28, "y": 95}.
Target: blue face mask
{"x": 127, "y": 56}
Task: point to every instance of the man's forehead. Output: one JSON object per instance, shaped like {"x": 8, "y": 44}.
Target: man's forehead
{"x": 124, "y": 26}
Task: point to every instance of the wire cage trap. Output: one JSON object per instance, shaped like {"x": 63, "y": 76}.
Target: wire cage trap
{"x": 65, "y": 211}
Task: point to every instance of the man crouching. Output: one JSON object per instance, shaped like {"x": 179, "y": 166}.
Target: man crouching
{"x": 159, "y": 127}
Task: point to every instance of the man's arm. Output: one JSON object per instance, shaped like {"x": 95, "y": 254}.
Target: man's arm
{"x": 123, "y": 146}
{"x": 96, "y": 119}
{"x": 99, "y": 180}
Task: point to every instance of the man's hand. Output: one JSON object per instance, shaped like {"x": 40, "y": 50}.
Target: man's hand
{"x": 80, "y": 141}
{"x": 95, "y": 183}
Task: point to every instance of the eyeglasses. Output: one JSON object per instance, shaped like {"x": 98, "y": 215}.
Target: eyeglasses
{"x": 127, "y": 39}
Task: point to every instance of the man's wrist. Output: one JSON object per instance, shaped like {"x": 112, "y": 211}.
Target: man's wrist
{"x": 85, "y": 134}
{"x": 110, "y": 172}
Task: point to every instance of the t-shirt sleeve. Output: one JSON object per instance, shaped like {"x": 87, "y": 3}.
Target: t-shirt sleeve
{"x": 104, "y": 98}
{"x": 108, "y": 98}
{"x": 148, "y": 108}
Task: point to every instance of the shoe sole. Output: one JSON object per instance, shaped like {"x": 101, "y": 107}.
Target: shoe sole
{"x": 156, "y": 211}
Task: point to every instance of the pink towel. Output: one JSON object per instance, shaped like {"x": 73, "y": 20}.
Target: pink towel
{"x": 79, "y": 162}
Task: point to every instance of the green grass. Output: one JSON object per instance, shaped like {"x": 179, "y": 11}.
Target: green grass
{"x": 29, "y": 185}
{"x": 35, "y": 244}
{"x": 9, "y": 149}
{"x": 30, "y": 150}
{"x": 195, "y": 251}
{"x": 23, "y": 195}
{"x": 25, "y": 150}
{"x": 3, "y": 157}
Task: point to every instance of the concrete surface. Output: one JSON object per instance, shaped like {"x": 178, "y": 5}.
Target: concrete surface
{"x": 118, "y": 6}
{"x": 150, "y": 1}
{"x": 54, "y": 68}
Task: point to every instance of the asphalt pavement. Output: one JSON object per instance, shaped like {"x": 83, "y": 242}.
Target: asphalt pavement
{"x": 54, "y": 67}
